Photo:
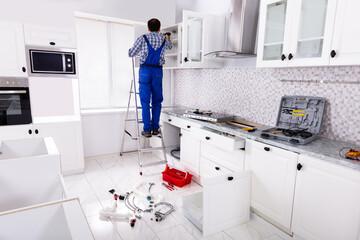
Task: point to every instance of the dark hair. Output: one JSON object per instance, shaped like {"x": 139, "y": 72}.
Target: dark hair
{"x": 154, "y": 25}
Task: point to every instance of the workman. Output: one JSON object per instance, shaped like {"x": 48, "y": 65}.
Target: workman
{"x": 152, "y": 46}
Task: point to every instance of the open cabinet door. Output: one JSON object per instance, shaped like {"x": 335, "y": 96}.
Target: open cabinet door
{"x": 226, "y": 201}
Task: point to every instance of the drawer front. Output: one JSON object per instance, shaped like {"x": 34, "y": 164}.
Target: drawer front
{"x": 211, "y": 169}
{"x": 234, "y": 159}
{"x": 214, "y": 137}
{"x": 179, "y": 122}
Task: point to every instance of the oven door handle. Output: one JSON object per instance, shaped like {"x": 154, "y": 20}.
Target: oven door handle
{"x": 12, "y": 91}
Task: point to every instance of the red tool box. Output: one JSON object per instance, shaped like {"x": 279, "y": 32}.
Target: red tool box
{"x": 176, "y": 177}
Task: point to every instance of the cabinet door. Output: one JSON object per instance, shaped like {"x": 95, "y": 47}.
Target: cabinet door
{"x": 226, "y": 201}
{"x": 49, "y": 36}
{"x": 190, "y": 152}
{"x": 272, "y": 181}
{"x": 193, "y": 38}
{"x": 346, "y": 38}
{"x": 68, "y": 140}
{"x": 313, "y": 23}
{"x": 54, "y": 99}
{"x": 12, "y": 50}
{"x": 16, "y": 132}
{"x": 326, "y": 204}
{"x": 274, "y": 33}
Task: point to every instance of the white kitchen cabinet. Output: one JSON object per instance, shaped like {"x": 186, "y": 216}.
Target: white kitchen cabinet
{"x": 12, "y": 50}
{"x": 49, "y": 36}
{"x": 190, "y": 152}
{"x": 272, "y": 181}
{"x": 296, "y": 33}
{"x": 346, "y": 39}
{"x": 10, "y": 132}
{"x": 68, "y": 140}
{"x": 222, "y": 203}
{"x": 54, "y": 99}
{"x": 201, "y": 34}
{"x": 326, "y": 204}
{"x": 173, "y": 56}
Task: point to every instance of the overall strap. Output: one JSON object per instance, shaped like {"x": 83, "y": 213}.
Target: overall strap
{"x": 147, "y": 41}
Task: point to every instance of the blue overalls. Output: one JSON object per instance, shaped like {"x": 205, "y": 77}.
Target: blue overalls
{"x": 150, "y": 86}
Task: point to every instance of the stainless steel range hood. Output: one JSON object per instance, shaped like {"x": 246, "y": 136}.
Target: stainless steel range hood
{"x": 242, "y": 22}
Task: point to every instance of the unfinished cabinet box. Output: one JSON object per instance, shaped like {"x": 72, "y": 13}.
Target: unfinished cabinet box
{"x": 273, "y": 173}
{"x": 63, "y": 220}
{"x": 223, "y": 203}
{"x": 12, "y": 50}
{"x": 173, "y": 56}
{"x": 326, "y": 203}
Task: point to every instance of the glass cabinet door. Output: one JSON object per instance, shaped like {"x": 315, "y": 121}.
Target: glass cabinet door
{"x": 193, "y": 31}
{"x": 274, "y": 30}
{"x": 312, "y": 26}
{"x": 312, "y": 34}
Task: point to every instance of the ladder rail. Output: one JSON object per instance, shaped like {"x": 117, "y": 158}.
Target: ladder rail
{"x": 137, "y": 126}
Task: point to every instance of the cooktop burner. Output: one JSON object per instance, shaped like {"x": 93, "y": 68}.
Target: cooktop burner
{"x": 208, "y": 116}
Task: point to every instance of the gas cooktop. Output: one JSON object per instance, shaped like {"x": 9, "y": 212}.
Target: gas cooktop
{"x": 208, "y": 116}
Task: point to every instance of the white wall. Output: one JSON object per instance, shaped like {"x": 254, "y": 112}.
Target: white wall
{"x": 60, "y": 13}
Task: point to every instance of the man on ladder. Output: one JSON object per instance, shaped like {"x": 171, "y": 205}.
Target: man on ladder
{"x": 152, "y": 46}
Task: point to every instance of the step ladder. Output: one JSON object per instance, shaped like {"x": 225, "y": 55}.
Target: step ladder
{"x": 138, "y": 136}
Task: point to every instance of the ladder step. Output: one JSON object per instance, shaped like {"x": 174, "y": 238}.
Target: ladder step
{"x": 145, "y": 164}
{"x": 133, "y": 92}
{"x": 132, "y": 119}
{"x": 151, "y": 149}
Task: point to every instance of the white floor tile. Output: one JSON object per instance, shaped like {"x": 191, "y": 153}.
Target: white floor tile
{"x": 90, "y": 204}
{"x": 140, "y": 231}
{"x": 103, "y": 230}
{"x": 175, "y": 233}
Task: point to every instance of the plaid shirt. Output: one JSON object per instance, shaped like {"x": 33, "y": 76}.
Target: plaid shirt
{"x": 155, "y": 39}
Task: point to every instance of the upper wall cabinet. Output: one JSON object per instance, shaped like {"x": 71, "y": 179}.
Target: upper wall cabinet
{"x": 346, "y": 41}
{"x": 12, "y": 50}
{"x": 49, "y": 36}
{"x": 201, "y": 34}
{"x": 295, "y": 33}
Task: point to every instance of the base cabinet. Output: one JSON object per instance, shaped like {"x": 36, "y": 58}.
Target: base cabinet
{"x": 273, "y": 173}
{"x": 223, "y": 203}
{"x": 326, "y": 204}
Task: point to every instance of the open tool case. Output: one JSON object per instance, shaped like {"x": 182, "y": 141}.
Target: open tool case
{"x": 298, "y": 121}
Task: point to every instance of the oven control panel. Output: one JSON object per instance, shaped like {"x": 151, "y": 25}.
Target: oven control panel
{"x": 13, "y": 82}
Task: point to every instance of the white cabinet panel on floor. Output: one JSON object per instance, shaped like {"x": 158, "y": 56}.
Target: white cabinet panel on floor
{"x": 346, "y": 39}
{"x": 49, "y": 36}
{"x": 272, "y": 181}
{"x": 68, "y": 140}
{"x": 326, "y": 204}
{"x": 12, "y": 50}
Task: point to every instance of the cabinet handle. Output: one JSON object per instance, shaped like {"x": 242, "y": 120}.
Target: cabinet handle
{"x": 188, "y": 126}
{"x": 267, "y": 149}
{"x": 283, "y": 57}
{"x": 230, "y": 178}
{"x": 299, "y": 166}
{"x": 23, "y": 69}
{"x": 332, "y": 53}
{"x": 180, "y": 134}
{"x": 169, "y": 120}
{"x": 217, "y": 168}
{"x": 290, "y": 56}
{"x": 207, "y": 138}
{"x": 186, "y": 59}
{"x": 52, "y": 43}
{"x": 36, "y": 131}
{"x": 30, "y": 131}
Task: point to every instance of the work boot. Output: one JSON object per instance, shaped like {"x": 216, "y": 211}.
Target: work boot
{"x": 147, "y": 134}
{"x": 155, "y": 131}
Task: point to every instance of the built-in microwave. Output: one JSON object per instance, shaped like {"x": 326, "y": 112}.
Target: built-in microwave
{"x": 43, "y": 61}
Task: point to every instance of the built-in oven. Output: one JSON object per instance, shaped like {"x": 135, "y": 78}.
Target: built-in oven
{"x": 44, "y": 61}
{"x": 14, "y": 101}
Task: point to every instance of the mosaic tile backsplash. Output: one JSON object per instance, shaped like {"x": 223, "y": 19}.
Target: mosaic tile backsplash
{"x": 255, "y": 93}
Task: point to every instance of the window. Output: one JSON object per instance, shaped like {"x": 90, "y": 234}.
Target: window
{"x": 105, "y": 70}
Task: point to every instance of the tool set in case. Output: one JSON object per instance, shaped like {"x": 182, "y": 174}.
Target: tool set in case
{"x": 298, "y": 121}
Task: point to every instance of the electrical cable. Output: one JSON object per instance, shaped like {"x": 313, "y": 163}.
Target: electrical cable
{"x": 175, "y": 150}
